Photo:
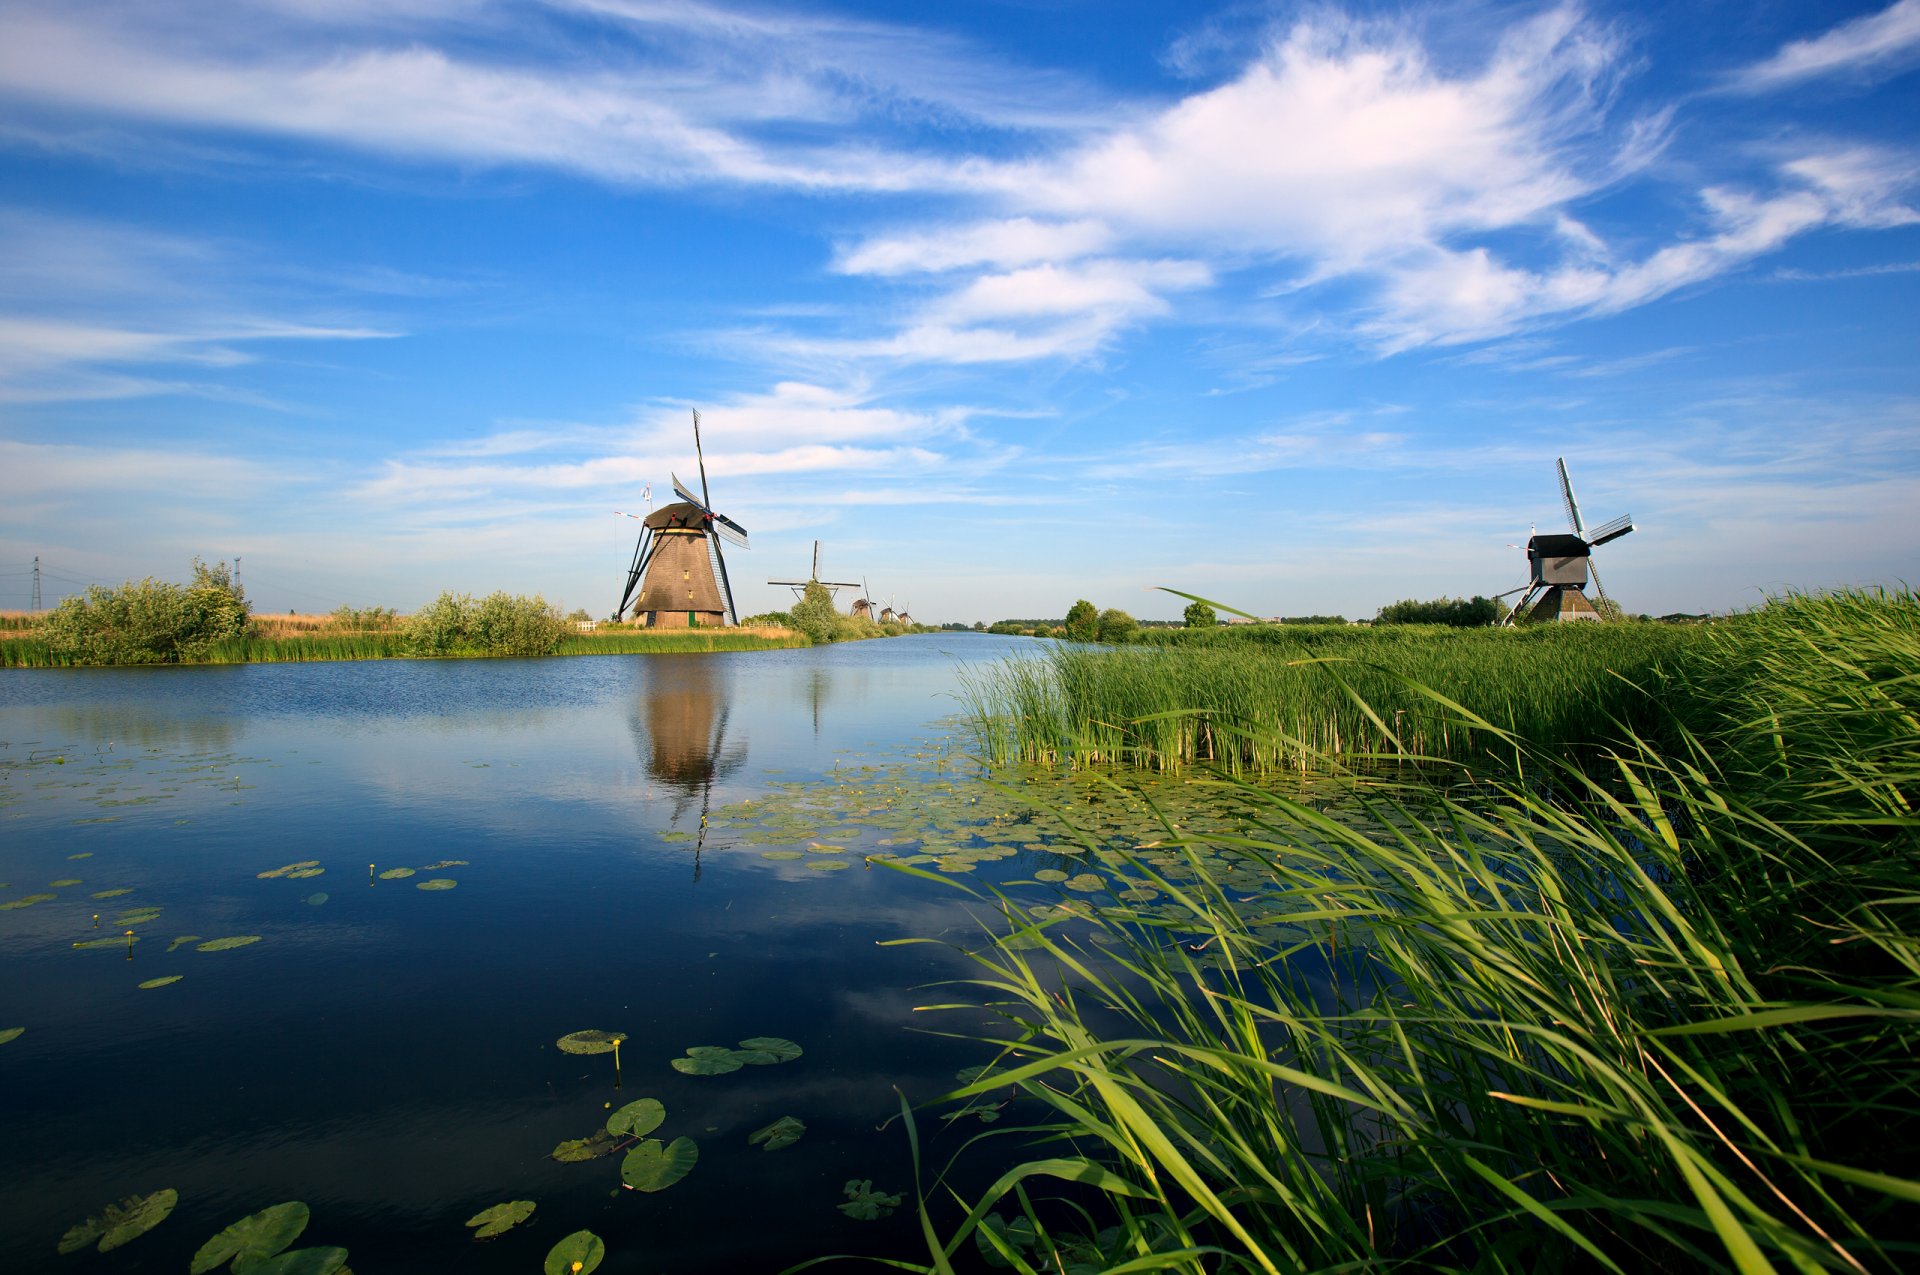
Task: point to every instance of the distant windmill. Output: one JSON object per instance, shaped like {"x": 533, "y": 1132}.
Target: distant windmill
{"x": 1559, "y": 566}
{"x": 677, "y": 566}
{"x": 887, "y": 614}
{"x": 833, "y": 587}
{"x": 863, "y": 605}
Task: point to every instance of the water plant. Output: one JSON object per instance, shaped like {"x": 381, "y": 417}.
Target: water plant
{"x": 253, "y": 1239}
{"x": 577, "y": 1254}
{"x": 864, "y": 1204}
{"x": 121, "y": 1223}
{"x": 500, "y": 1218}
{"x": 782, "y": 1133}
{"x": 655, "y": 1166}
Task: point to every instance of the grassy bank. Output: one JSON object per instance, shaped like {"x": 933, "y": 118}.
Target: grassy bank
{"x": 1282, "y": 697}
{"x": 28, "y": 652}
{"x": 1661, "y": 1014}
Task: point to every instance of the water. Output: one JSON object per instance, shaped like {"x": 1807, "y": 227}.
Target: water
{"x": 387, "y": 1055}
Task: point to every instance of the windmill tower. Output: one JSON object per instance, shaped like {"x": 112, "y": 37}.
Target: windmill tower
{"x": 887, "y": 613}
{"x": 678, "y": 566}
{"x": 833, "y": 587}
{"x": 1559, "y": 566}
{"x": 863, "y": 605}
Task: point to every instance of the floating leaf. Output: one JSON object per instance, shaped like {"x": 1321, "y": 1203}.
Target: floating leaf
{"x": 654, "y": 1167}
{"x": 444, "y": 863}
{"x": 592, "y": 1147}
{"x": 304, "y": 873}
{"x": 64, "y": 882}
{"x": 864, "y": 1204}
{"x": 139, "y": 916}
{"x": 84, "y": 854}
{"x": 589, "y": 1042}
{"x": 318, "y": 899}
{"x": 253, "y": 1238}
{"x": 783, "y": 1132}
{"x": 1086, "y": 883}
{"x": 637, "y": 1118}
{"x": 183, "y": 940}
{"x": 782, "y": 856}
{"x": 114, "y": 893}
{"x": 782, "y": 1049}
{"x": 118, "y": 1223}
{"x": 438, "y": 883}
{"x": 112, "y": 940}
{"x": 1049, "y": 874}
{"x": 827, "y": 865}
{"x": 301, "y": 1261}
{"x": 577, "y": 1254}
{"x": 396, "y": 874}
{"x": 10, "y": 1034}
{"x": 152, "y": 983}
{"x": 27, "y": 901}
{"x": 501, "y": 1218}
{"x": 227, "y": 944}
{"x": 814, "y": 847}
{"x": 707, "y": 1060}
{"x": 289, "y": 869}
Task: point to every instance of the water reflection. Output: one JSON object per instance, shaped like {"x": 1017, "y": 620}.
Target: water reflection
{"x": 679, "y": 725}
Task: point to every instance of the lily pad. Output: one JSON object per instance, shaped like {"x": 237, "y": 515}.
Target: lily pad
{"x": 27, "y": 901}
{"x": 318, "y": 899}
{"x": 501, "y": 1218}
{"x": 64, "y": 882}
{"x": 783, "y": 1132}
{"x": 707, "y": 1060}
{"x": 139, "y": 916}
{"x": 182, "y": 941}
{"x": 638, "y": 1118}
{"x": 438, "y": 883}
{"x": 396, "y": 874}
{"x": 152, "y": 983}
{"x": 301, "y": 1261}
{"x": 782, "y": 1049}
{"x": 84, "y": 854}
{"x": 10, "y": 1034}
{"x": 289, "y": 869}
{"x": 114, "y": 893}
{"x": 304, "y": 873}
{"x": 589, "y": 1042}
{"x": 782, "y": 856}
{"x": 652, "y": 1166}
{"x": 112, "y": 940}
{"x": 592, "y": 1147}
{"x": 1085, "y": 883}
{"x": 227, "y": 944}
{"x": 827, "y": 865}
{"x": 578, "y": 1254}
{"x": 864, "y": 1204}
{"x": 444, "y": 863}
{"x": 253, "y": 1238}
{"x": 1050, "y": 874}
{"x": 119, "y": 1223}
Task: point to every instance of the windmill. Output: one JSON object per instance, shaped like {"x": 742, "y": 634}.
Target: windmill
{"x": 887, "y": 615}
{"x": 1559, "y": 566}
{"x": 863, "y": 605}
{"x": 678, "y": 567}
{"x": 833, "y": 587}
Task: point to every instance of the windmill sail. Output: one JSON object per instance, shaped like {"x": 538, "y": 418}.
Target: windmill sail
{"x": 679, "y": 569}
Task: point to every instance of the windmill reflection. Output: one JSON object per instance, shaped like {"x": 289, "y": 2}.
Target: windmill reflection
{"x": 680, "y": 728}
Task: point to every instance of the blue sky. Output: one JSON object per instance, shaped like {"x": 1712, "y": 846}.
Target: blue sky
{"x": 1008, "y": 304}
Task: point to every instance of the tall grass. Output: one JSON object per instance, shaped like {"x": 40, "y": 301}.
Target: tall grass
{"x": 1281, "y": 698}
{"x": 1664, "y": 1015}
{"x": 32, "y": 653}
{"x": 664, "y": 641}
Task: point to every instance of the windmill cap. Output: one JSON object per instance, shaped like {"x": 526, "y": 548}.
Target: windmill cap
{"x": 1561, "y": 545}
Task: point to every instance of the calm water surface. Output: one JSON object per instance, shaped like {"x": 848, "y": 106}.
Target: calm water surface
{"x": 387, "y": 1054}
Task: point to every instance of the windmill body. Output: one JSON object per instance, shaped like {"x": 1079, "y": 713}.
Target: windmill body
{"x": 1560, "y": 565}
{"x": 678, "y": 578}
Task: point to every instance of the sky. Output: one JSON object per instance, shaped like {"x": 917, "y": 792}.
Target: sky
{"x": 1005, "y": 302}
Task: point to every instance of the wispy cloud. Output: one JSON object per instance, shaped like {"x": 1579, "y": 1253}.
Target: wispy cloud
{"x": 1867, "y": 46}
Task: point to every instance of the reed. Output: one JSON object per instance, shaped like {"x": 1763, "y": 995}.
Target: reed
{"x": 1278, "y": 698}
{"x": 1658, "y": 1016}
{"x": 666, "y": 641}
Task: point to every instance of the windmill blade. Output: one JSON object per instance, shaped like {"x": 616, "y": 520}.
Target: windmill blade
{"x": 680, "y": 490}
{"x": 729, "y": 529}
{"x": 1600, "y": 590}
{"x": 706, "y": 501}
{"x": 642, "y": 551}
{"x": 1611, "y": 530}
{"x": 726, "y": 586}
{"x": 1566, "y": 493}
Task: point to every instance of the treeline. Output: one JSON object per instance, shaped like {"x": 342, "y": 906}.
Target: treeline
{"x": 1462, "y": 613}
{"x": 816, "y": 616}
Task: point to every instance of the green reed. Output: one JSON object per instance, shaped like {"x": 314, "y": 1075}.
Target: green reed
{"x": 666, "y": 641}
{"x": 1662, "y": 1015}
{"x": 1281, "y": 697}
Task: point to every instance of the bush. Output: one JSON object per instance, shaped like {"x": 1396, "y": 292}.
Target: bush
{"x": 1461, "y": 613}
{"x": 814, "y": 614}
{"x": 1116, "y": 625}
{"x": 1200, "y": 616}
{"x": 1083, "y": 622}
{"x": 365, "y": 619}
{"x": 498, "y": 624}
{"x": 781, "y": 618}
{"x": 149, "y": 621}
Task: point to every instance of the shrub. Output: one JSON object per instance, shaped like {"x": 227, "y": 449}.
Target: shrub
{"x": 1200, "y": 616}
{"x": 1461, "y": 613}
{"x": 365, "y": 619}
{"x": 1083, "y": 622}
{"x": 498, "y": 624}
{"x": 149, "y": 621}
{"x": 1116, "y": 625}
{"x": 814, "y": 614}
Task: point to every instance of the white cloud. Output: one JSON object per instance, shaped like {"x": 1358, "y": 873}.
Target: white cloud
{"x": 1877, "y": 42}
{"x": 1016, "y": 241}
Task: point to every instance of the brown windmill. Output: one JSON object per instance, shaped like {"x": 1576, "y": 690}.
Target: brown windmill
{"x": 678, "y": 566}
{"x": 1560, "y": 565}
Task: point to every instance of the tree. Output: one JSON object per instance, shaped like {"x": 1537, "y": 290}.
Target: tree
{"x": 1116, "y": 625}
{"x": 150, "y": 621}
{"x": 1461, "y": 613}
{"x": 1083, "y": 622}
{"x": 1200, "y": 616}
{"x": 814, "y": 615}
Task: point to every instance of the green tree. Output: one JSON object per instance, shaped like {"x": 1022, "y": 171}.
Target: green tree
{"x": 150, "y": 621}
{"x": 814, "y": 615}
{"x": 1116, "y": 625}
{"x": 1461, "y": 613}
{"x": 1083, "y": 622}
{"x": 1200, "y": 616}
{"x": 498, "y": 624}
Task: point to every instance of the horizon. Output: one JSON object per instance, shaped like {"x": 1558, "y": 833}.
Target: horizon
{"x": 1291, "y": 307}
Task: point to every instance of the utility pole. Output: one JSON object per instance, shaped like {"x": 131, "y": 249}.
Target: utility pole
{"x": 236, "y": 573}
{"x": 36, "y": 582}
